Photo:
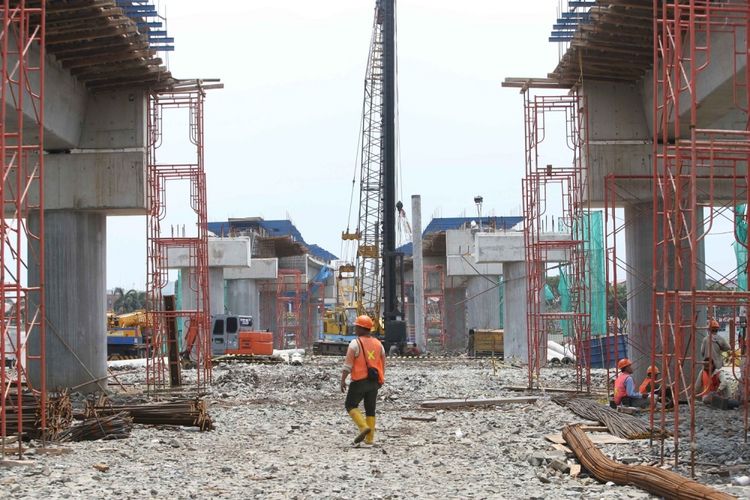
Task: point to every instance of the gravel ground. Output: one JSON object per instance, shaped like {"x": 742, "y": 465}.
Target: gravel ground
{"x": 282, "y": 432}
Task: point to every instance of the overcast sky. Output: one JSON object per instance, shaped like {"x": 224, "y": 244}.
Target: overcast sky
{"x": 281, "y": 137}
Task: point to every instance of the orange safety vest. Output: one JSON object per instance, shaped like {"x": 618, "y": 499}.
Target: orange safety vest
{"x": 620, "y": 389}
{"x": 710, "y": 383}
{"x": 373, "y": 350}
{"x": 647, "y": 385}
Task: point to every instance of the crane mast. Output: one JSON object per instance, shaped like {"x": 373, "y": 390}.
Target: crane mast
{"x": 375, "y": 270}
{"x": 368, "y": 275}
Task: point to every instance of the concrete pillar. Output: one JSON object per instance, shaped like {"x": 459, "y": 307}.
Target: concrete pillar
{"x": 639, "y": 254}
{"x": 419, "y": 319}
{"x": 216, "y": 289}
{"x": 482, "y": 307}
{"x": 243, "y": 298}
{"x": 515, "y": 343}
{"x": 75, "y": 298}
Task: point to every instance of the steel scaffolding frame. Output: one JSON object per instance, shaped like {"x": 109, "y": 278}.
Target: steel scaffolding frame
{"x": 195, "y": 311}
{"x": 288, "y": 308}
{"x": 538, "y": 191}
{"x": 434, "y": 303}
{"x": 694, "y": 169}
{"x": 22, "y": 42}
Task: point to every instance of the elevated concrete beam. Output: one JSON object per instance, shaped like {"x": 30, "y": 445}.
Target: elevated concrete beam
{"x": 64, "y": 103}
{"x": 222, "y": 252}
{"x": 509, "y": 247}
{"x": 260, "y": 269}
{"x": 112, "y": 182}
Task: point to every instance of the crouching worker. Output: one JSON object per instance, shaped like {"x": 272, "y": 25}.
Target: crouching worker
{"x": 625, "y": 393}
{"x": 365, "y": 361}
{"x": 652, "y": 384}
{"x": 710, "y": 389}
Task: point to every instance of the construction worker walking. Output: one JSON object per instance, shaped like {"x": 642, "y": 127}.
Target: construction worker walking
{"x": 365, "y": 361}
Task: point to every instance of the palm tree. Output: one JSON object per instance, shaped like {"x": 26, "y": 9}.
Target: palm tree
{"x": 130, "y": 301}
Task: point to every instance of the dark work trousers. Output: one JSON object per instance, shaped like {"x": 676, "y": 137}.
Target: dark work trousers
{"x": 359, "y": 390}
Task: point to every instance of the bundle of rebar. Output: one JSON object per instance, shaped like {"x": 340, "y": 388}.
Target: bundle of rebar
{"x": 655, "y": 480}
{"x": 619, "y": 424}
{"x": 117, "y": 426}
{"x": 183, "y": 412}
{"x": 59, "y": 414}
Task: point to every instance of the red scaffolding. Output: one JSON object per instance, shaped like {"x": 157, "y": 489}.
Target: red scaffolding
{"x": 22, "y": 346}
{"x": 193, "y": 248}
{"x": 434, "y": 305}
{"x": 289, "y": 309}
{"x": 699, "y": 174}
{"x": 549, "y": 192}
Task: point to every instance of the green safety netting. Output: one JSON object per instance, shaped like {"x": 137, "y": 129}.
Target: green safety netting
{"x": 549, "y": 295}
{"x": 591, "y": 231}
{"x": 740, "y": 250}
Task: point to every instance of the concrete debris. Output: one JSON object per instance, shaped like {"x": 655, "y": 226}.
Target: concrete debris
{"x": 282, "y": 432}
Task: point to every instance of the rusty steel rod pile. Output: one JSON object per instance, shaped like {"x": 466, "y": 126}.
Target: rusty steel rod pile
{"x": 59, "y": 414}
{"x": 619, "y": 424}
{"x": 117, "y": 426}
{"x": 655, "y": 480}
{"x": 183, "y": 412}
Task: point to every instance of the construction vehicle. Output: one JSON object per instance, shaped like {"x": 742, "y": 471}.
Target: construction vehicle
{"x": 231, "y": 335}
{"x": 126, "y": 335}
{"x": 374, "y": 272}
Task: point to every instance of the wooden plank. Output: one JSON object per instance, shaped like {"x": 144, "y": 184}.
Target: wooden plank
{"x": 420, "y": 419}
{"x": 562, "y": 447}
{"x": 459, "y": 403}
{"x": 518, "y": 388}
{"x": 594, "y": 428}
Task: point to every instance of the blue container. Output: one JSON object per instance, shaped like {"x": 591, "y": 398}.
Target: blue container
{"x": 599, "y": 347}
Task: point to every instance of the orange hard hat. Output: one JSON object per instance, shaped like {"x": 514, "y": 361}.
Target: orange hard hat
{"x": 713, "y": 324}
{"x": 623, "y": 363}
{"x": 652, "y": 370}
{"x": 364, "y": 321}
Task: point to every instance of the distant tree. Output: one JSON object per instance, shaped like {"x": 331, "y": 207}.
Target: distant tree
{"x": 621, "y": 306}
{"x": 130, "y": 301}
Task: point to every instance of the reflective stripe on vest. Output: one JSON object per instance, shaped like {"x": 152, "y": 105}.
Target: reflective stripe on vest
{"x": 373, "y": 350}
{"x": 620, "y": 389}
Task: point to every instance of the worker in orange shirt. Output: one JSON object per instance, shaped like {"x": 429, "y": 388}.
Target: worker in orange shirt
{"x": 625, "y": 393}
{"x": 651, "y": 383}
{"x": 365, "y": 362}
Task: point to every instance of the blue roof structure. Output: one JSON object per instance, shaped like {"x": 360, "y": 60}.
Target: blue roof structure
{"x": 443, "y": 224}
{"x": 274, "y": 229}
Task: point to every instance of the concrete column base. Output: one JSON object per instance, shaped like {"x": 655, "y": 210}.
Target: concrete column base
{"x": 515, "y": 343}
{"x": 75, "y": 298}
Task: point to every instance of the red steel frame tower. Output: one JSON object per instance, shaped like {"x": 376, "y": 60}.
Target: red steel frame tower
{"x": 22, "y": 41}
{"x": 288, "y": 307}
{"x": 543, "y": 186}
{"x": 195, "y": 310}
{"x": 698, "y": 173}
{"x": 434, "y": 303}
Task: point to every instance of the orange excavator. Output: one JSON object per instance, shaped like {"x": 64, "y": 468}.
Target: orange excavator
{"x": 231, "y": 335}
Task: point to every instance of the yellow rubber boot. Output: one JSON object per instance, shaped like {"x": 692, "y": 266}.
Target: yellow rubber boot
{"x": 371, "y": 435}
{"x": 359, "y": 419}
